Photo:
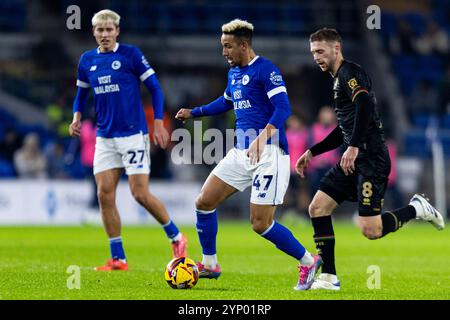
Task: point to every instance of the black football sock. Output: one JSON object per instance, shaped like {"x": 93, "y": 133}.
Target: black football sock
{"x": 394, "y": 220}
{"x": 324, "y": 240}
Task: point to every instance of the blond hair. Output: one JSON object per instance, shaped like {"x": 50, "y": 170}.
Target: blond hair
{"x": 236, "y": 24}
{"x": 105, "y": 15}
{"x": 241, "y": 29}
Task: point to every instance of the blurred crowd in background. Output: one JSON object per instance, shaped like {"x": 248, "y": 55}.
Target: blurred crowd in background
{"x": 414, "y": 36}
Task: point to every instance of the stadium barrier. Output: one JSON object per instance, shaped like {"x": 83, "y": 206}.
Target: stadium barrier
{"x": 52, "y": 202}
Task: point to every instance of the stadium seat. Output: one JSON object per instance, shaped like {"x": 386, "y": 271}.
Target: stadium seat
{"x": 13, "y": 17}
{"x": 445, "y": 138}
{"x": 416, "y": 144}
{"x": 186, "y": 19}
{"x": 7, "y": 118}
{"x": 445, "y": 121}
{"x": 6, "y": 169}
{"x": 421, "y": 120}
{"x": 389, "y": 23}
{"x": 417, "y": 22}
{"x": 293, "y": 16}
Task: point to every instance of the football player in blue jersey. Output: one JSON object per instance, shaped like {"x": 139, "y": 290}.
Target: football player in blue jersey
{"x": 260, "y": 159}
{"x": 114, "y": 71}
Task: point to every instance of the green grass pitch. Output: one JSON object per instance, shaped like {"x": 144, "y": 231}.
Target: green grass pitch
{"x": 414, "y": 263}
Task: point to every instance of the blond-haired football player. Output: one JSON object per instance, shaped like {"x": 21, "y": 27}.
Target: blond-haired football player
{"x": 114, "y": 72}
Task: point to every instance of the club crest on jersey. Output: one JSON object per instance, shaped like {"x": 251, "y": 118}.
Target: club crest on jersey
{"x": 352, "y": 83}
{"x": 245, "y": 79}
{"x": 276, "y": 79}
{"x": 93, "y": 68}
{"x": 116, "y": 64}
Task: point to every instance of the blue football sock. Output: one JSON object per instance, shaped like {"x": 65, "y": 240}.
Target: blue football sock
{"x": 284, "y": 240}
{"x": 116, "y": 247}
{"x": 207, "y": 227}
{"x": 171, "y": 229}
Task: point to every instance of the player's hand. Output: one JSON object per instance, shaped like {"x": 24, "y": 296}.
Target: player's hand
{"x": 303, "y": 162}
{"x": 348, "y": 160}
{"x": 160, "y": 134}
{"x": 75, "y": 128}
{"x": 255, "y": 150}
{"x": 183, "y": 114}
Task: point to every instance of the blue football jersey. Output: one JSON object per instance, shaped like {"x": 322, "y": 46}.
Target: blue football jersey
{"x": 115, "y": 78}
{"x": 250, "y": 89}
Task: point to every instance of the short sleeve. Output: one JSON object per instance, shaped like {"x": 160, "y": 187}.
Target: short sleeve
{"x": 141, "y": 67}
{"x": 355, "y": 80}
{"x": 272, "y": 79}
{"x": 82, "y": 79}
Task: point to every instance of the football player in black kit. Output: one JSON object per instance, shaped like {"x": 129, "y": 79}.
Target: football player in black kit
{"x": 362, "y": 173}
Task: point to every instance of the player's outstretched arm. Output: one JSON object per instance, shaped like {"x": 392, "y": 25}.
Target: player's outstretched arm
{"x": 218, "y": 106}
{"x": 334, "y": 139}
{"x": 183, "y": 114}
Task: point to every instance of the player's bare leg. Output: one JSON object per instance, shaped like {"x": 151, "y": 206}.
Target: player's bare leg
{"x": 371, "y": 227}
{"x": 321, "y": 205}
{"x": 261, "y": 217}
{"x": 212, "y": 194}
{"x": 107, "y": 182}
{"x": 419, "y": 207}
{"x": 139, "y": 186}
{"x": 320, "y": 210}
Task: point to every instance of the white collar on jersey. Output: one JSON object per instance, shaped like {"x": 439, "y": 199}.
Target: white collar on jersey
{"x": 114, "y": 50}
{"x": 253, "y": 60}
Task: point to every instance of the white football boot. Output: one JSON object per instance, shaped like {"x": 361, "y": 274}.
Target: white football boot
{"x": 425, "y": 211}
{"x": 326, "y": 281}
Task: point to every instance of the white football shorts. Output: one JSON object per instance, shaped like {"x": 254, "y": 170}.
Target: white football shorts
{"x": 269, "y": 178}
{"x": 131, "y": 153}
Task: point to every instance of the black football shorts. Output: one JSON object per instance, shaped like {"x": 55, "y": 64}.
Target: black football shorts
{"x": 366, "y": 185}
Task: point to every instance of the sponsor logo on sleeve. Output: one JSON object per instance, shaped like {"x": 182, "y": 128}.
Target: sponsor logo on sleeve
{"x": 145, "y": 62}
{"x": 276, "y": 79}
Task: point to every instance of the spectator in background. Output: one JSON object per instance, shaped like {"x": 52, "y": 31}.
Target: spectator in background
{"x": 319, "y": 165}
{"x": 29, "y": 161}
{"x": 403, "y": 41}
{"x": 444, "y": 93}
{"x": 425, "y": 99}
{"x": 59, "y": 117}
{"x": 11, "y": 143}
{"x": 88, "y": 137}
{"x": 433, "y": 41}
{"x": 55, "y": 161}
{"x": 297, "y": 136}
{"x": 392, "y": 189}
